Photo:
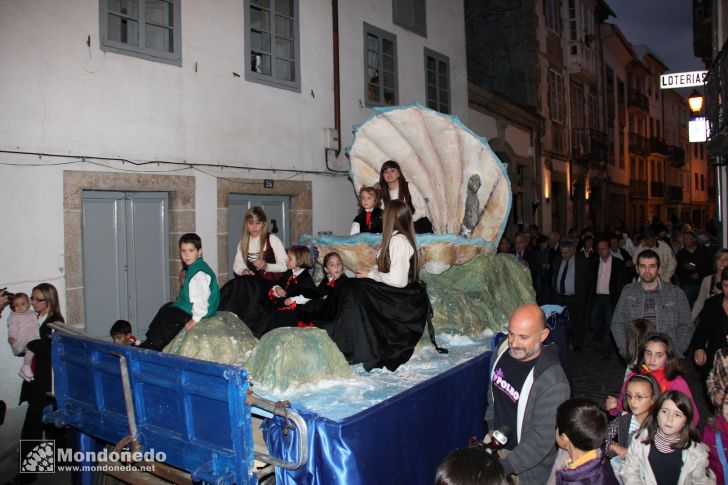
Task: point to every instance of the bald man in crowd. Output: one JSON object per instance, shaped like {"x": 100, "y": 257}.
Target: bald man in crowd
{"x": 527, "y": 384}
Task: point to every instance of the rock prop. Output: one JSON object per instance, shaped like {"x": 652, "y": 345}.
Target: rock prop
{"x": 478, "y": 295}
{"x": 222, "y": 338}
{"x": 286, "y": 358}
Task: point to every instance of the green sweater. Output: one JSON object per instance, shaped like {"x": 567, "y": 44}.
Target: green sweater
{"x": 183, "y": 299}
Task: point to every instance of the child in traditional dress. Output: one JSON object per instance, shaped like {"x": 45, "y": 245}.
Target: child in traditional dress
{"x": 297, "y": 286}
{"x": 22, "y": 328}
{"x": 369, "y": 218}
{"x": 259, "y": 252}
{"x": 198, "y": 298}
{"x": 334, "y": 269}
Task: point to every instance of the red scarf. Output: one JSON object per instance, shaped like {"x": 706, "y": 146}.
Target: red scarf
{"x": 369, "y": 219}
{"x": 659, "y": 375}
{"x": 331, "y": 282}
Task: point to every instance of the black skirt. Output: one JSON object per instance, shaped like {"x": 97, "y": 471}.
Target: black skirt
{"x": 375, "y": 324}
{"x": 246, "y": 297}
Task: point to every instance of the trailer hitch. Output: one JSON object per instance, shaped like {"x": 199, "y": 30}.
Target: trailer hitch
{"x": 282, "y": 409}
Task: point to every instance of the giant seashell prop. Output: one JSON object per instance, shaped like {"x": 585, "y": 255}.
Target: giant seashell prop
{"x": 465, "y": 185}
{"x": 444, "y": 160}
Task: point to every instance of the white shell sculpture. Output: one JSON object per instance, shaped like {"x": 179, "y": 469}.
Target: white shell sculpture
{"x": 447, "y": 162}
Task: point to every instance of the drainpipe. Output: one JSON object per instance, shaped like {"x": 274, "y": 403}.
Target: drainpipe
{"x": 337, "y": 81}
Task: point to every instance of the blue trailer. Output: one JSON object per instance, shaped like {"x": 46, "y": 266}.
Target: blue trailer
{"x": 200, "y": 416}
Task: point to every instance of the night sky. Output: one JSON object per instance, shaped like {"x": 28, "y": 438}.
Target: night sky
{"x": 665, "y": 26}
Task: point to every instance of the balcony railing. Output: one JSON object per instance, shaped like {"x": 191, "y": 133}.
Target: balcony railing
{"x": 658, "y": 145}
{"x": 589, "y": 145}
{"x": 676, "y": 156}
{"x": 636, "y": 99}
{"x": 657, "y": 189}
{"x": 716, "y": 103}
{"x": 674, "y": 194}
{"x": 638, "y": 144}
{"x": 638, "y": 188}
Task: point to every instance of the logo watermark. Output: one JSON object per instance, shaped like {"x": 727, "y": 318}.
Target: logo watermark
{"x": 41, "y": 456}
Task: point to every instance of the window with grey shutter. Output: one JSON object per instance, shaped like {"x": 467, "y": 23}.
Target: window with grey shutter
{"x": 437, "y": 81}
{"x": 380, "y": 67}
{"x": 272, "y": 43}
{"x": 410, "y": 14}
{"x": 149, "y": 29}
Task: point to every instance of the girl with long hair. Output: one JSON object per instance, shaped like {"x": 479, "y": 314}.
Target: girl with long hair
{"x": 378, "y": 317}
{"x": 658, "y": 358}
{"x": 260, "y": 262}
{"x": 667, "y": 449}
{"x": 394, "y": 186}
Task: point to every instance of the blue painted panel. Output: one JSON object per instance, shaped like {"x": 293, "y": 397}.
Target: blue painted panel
{"x": 172, "y": 395}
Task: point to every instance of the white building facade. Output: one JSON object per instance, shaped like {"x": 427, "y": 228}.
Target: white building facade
{"x": 200, "y": 101}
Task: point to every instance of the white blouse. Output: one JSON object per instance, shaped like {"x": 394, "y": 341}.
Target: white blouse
{"x": 400, "y": 252}
{"x": 199, "y": 293}
{"x": 418, "y": 201}
{"x": 254, "y": 250}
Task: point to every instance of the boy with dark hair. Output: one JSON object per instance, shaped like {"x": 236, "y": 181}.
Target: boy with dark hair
{"x": 581, "y": 426}
{"x": 470, "y": 466}
{"x": 198, "y": 298}
{"x": 121, "y": 333}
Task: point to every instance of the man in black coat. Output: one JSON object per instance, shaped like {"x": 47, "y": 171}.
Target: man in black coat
{"x": 571, "y": 284}
{"x": 610, "y": 276}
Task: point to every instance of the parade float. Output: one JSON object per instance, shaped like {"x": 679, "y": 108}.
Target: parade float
{"x": 320, "y": 420}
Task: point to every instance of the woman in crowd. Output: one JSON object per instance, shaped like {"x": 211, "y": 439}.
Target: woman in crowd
{"x": 44, "y": 300}
{"x": 710, "y": 284}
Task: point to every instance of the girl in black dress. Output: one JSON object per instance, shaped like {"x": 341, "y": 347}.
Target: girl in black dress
{"x": 379, "y": 317}
{"x": 369, "y": 218}
{"x": 260, "y": 262}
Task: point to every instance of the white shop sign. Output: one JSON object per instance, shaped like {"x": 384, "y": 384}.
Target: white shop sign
{"x": 682, "y": 79}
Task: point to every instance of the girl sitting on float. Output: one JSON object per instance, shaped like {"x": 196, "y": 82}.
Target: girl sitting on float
{"x": 260, "y": 262}
{"x": 378, "y": 318}
{"x": 394, "y": 186}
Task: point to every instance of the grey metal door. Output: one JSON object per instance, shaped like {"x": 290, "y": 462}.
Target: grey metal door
{"x": 276, "y": 210}
{"x": 125, "y": 258}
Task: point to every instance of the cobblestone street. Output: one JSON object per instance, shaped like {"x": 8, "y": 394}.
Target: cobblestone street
{"x": 596, "y": 378}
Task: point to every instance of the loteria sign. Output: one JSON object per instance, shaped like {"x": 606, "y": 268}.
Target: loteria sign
{"x": 682, "y": 79}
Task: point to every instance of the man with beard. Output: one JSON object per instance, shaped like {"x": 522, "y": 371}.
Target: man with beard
{"x": 653, "y": 299}
{"x": 527, "y": 385}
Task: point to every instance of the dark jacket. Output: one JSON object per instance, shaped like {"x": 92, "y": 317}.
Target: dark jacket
{"x": 294, "y": 286}
{"x": 617, "y": 279}
{"x": 712, "y": 329}
{"x": 326, "y": 289}
{"x": 617, "y": 433}
{"x": 701, "y": 265}
{"x": 594, "y": 472}
{"x": 583, "y": 286}
{"x": 533, "y": 458}
{"x": 42, "y": 382}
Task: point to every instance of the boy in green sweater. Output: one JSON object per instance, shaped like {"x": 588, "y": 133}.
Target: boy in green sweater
{"x": 198, "y": 298}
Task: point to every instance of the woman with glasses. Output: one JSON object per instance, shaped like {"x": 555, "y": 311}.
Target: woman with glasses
{"x": 44, "y": 300}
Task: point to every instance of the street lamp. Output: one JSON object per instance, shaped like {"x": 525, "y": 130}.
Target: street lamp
{"x": 695, "y": 100}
